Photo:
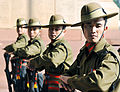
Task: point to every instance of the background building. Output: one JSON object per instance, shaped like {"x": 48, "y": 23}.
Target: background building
{"x": 10, "y": 10}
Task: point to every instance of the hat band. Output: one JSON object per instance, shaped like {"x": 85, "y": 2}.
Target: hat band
{"x": 34, "y": 24}
{"x": 57, "y": 22}
{"x": 95, "y": 14}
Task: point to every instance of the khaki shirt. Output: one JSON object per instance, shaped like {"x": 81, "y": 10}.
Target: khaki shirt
{"x": 35, "y": 47}
{"x": 53, "y": 56}
{"x": 95, "y": 75}
{"x": 21, "y": 41}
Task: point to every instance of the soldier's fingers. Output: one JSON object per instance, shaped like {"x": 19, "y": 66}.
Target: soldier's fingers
{"x": 77, "y": 90}
{"x": 64, "y": 86}
{"x": 68, "y": 88}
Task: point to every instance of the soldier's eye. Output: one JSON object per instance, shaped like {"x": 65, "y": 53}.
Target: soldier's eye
{"x": 97, "y": 26}
{"x": 57, "y": 29}
{"x": 34, "y": 29}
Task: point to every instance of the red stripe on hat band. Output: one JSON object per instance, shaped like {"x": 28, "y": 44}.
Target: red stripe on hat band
{"x": 53, "y": 88}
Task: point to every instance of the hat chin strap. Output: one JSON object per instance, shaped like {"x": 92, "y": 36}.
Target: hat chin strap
{"x": 103, "y": 31}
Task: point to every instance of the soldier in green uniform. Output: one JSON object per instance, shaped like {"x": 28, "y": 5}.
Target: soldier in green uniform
{"x": 35, "y": 44}
{"x": 35, "y": 47}
{"x": 96, "y": 68}
{"x": 22, "y": 39}
{"x": 58, "y": 56}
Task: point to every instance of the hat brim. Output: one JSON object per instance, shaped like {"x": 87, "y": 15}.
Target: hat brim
{"x": 47, "y": 26}
{"x": 21, "y": 25}
{"x": 107, "y": 16}
{"x": 34, "y": 26}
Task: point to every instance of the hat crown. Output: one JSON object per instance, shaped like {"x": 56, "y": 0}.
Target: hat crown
{"x": 34, "y": 22}
{"x": 56, "y": 19}
{"x": 87, "y": 9}
{"x": 91, "y": 11}
{"x": 21, "y": 22}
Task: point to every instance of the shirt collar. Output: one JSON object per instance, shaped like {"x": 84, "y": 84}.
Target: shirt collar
{"x": 99, "y": 46}
{"x": 56, "y": 42}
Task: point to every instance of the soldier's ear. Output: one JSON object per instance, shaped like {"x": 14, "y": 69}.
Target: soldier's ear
{"x": 106, "y": 28}
{"x": 64, "y": 31}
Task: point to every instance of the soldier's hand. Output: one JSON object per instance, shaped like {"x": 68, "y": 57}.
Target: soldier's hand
{"x": 64, "y": 78}
{"x": 65, "y": 84}
{"x": 67, "y": 87}
{"x": 77, "y": 90}
{"x": 11, "y": 54}
{"x": 13, "y": 58}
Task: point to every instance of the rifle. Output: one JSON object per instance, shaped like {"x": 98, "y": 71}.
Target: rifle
{"x": 8, "y": 74}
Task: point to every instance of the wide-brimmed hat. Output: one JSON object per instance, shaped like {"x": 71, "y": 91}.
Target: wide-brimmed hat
{"x": 92, "y": 11}
{"x": 57, "y": 20}
{"x": 34, "y": 22}
{"x": 21, "y": 22}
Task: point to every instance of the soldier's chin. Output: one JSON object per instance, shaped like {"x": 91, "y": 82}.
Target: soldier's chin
{"x": 31, "y": 37}
{"x": 52, "y": 38}
{"x": 95, "y": 40}
{"x": 20, "y": 33}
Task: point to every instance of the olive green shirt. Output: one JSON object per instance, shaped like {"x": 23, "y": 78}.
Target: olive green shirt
{"x": 35, "y": 47}
{"x": 54, "y": 55}
{"x": 21, "y": 41}
{"x": 95, "y": 75}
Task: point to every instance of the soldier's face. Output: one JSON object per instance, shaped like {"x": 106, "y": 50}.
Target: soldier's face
{"x": 21, "y": 30}
{"x": 93, "y": 30}
{"x": 54, "y": 31}
{"x": 33, "y": 32}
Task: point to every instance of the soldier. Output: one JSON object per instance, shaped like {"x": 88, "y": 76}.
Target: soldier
{"x": 35, "y": 44}
{"x": 57, "y": 58}
{"x": 35, "y": 47}
{"x": 96, "y": 68}
{"x": 22, "y": 39}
